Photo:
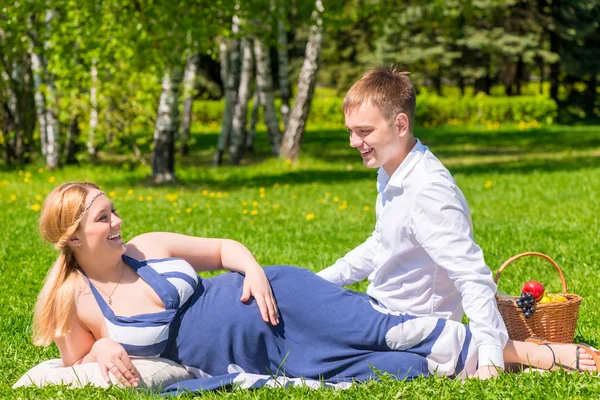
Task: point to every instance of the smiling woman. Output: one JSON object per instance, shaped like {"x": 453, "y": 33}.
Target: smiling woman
{"x": 106, "y": 301}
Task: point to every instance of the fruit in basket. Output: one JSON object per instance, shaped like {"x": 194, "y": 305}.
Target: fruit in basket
{"x": 527, "y": 304}
{"x": 545, "y": 299}
{"x": 553, "y": 298}
{"x": 535, "y": 288}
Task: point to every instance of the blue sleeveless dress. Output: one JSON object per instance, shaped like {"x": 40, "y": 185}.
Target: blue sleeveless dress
{"x": 326, "y": 335}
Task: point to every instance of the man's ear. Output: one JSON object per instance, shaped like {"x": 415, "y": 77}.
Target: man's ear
{"x": 402, "y": 124}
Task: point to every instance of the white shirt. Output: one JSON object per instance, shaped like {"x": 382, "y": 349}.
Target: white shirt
{"x": 422, "y": 259}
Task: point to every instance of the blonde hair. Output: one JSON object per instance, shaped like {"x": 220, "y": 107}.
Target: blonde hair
{"x": 59, "y": 220}
{"x": 388, "y": 88}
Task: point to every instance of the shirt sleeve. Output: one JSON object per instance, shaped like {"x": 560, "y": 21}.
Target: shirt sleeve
{"x": 441, "y": 223}
{"x": 356, "y": 265}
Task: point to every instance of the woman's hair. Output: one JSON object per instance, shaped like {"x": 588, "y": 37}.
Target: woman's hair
{"x": 61, "y": 214}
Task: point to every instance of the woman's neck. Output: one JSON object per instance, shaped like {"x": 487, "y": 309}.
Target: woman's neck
{"x": 102, "y": 270}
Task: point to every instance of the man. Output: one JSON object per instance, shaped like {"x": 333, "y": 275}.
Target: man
{"x": 421, "y": 259}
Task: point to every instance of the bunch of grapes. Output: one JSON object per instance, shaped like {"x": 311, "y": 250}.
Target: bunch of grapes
{"x": 527, "y": 304}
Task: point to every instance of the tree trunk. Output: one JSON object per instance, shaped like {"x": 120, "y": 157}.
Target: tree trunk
{"x": 189, "y": 85}
{"x": 264, "y": 88}
{"x": 555, "y": 67}
{"x": 591, "y": 94}
{"x": 306, "y": 86}
{"x": 519, "y": 75}
{"x": 91, "y": 142}
{"x": 52, "y": 121}
{"x": 71, "y": 146}
{"x": 163, "y": 156}
{"x": 283, "y": 69}
{"x": 253, "y": 120}
{"x": 230, "y": 75}
{"x": 240, "y": 111}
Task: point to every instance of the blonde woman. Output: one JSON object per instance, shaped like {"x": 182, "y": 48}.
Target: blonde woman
{"x": 105, "y": 301}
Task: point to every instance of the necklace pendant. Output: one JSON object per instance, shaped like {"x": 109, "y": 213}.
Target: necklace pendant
{"x": 109, "y": 301}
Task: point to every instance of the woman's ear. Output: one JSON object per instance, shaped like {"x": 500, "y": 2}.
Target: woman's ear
{"x": 74, "y": 243}
{"x": 402, "y": 124}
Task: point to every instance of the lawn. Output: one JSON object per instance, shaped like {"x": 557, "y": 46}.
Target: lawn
{"x": 529, "y": 190}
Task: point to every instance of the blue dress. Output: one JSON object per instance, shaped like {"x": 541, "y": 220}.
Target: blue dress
{"x": 326, "y": 335}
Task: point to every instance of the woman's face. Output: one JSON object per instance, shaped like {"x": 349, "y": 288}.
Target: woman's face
{"x": 100, "y": 228}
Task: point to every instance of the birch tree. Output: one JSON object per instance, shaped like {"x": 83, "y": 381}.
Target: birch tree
{"x": 163, "y": 162}
{"x": 294, "y": 132}
{"x": 189, "y": 84}
{"x": 283, "y": 68}
{"x": 264, "y": 88}
{"x": 238, "y": 124}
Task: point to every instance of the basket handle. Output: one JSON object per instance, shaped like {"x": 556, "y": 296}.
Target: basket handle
{"x": 533, "y": 253}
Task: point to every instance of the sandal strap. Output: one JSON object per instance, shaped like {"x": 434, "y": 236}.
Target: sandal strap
{"x": 559, "y": 365}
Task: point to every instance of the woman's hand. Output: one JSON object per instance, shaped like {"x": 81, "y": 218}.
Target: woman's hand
{"x": 111, "y": 356}
{"x": 257, "y": 285}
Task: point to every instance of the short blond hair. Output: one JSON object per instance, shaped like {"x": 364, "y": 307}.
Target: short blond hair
{"x": 388, "y": 88}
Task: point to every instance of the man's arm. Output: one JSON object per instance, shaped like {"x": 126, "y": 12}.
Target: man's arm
{"x": 441, "y": 224}
{"x": 356, "y": 265}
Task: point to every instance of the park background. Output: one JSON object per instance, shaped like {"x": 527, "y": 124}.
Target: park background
{"x": 223, "y": 119}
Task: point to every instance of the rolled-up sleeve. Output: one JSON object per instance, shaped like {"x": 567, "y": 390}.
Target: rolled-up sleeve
{"x": 441, "y": 224}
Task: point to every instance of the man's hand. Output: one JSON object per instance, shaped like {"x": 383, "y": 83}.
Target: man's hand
{"x": 487, "y": 371}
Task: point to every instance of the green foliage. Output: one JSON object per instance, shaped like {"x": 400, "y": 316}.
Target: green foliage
{"x": 528, "y": 190}
{"x": 431, "y": 110}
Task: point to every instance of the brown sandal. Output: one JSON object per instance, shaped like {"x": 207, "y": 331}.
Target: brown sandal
{"x": 584, "y": 346}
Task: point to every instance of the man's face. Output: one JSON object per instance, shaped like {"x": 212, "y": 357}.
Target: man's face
{"x": 379, "y": 141}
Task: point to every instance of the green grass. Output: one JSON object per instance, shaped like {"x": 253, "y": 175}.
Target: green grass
{"x": 543, "y": 197}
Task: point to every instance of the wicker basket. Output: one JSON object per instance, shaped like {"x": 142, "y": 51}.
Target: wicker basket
{"x": 551, "y": 321}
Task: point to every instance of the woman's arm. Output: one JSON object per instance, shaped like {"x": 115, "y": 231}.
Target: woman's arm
{"x": 79, "y": 346}
{"x": 206, "y": 254}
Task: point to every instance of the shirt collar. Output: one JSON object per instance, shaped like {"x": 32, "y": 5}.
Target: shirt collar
{"x": 383, "y": 179}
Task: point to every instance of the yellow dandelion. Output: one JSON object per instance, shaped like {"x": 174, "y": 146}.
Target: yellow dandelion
{"x": 5, "y": 182}
{"x": 287, "y": 185}
{"x": 342, "y": 207}
{"x": 26, "y": 180}
{"x": 327, "y": 194}
{"x": 366, "y": 208}
{"x": 41, "y": 170}
{"x": 188, "y": 210}
{"x": 276, "y": 206}
{"x": 178, "y": 211}
{"x": 244, "y": 203}
{"x": 149, "y": 198}
{"x": 21, "y": 172}
{"x": 336, "y": 199}
{"x": 28, "y": 174}
{"x": 112, "y": 194}
{"x": 13, "y": 197}
{"x": 254, "y": 212}
{"x": 174, "y": 204}
{"x": 321, "y": 200}
{"x": 219, "y": 195}
{"x": 171, "y": 219}
{"x": 276, "y": 185}
{"x": 195, "y": 205}
{"x": 262, "y": 195}
{"x": 310, "y": 216}
{"x": 288, "y": 161}
{"x": 488, "y": 184}
{"x": 36, "y": 207}
{"x": 130, "y": 192}
{"x": 245, "y": 212}
{"x": 212, "y": 194}
{"x": 294, "y": 197}
{"x": 140, "y": 198}
{"x": 262, "y": 189}
{"x": 254, "y": 203}
{"x": 38, "y": 197}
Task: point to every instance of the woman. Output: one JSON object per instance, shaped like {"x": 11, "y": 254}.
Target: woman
{"x": 104, "y": 301}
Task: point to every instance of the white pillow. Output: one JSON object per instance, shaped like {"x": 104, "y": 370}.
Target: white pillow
{"x": 155, "y": 374}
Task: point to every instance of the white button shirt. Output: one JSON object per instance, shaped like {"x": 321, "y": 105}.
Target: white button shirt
{"x": 422, "y": 259}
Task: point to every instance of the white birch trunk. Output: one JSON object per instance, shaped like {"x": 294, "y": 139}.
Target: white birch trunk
{"x": 283, "y": 70}
{"x": 38, "y": 65}
{"x": 306, "y": 86}
{"x": 240, "y": 111}
{"x": 189, "y": 84}
{"x": 163, "y": 156}
{"x": 264, "y": 87}
{"x": 253, "y": 121}
{"x": 230, "y": 75}
{"x": 91, "y": 143}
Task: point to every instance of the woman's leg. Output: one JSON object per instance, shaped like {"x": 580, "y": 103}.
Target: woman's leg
{"x": 541, "y": 356}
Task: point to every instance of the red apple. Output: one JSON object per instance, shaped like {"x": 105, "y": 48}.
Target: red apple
{"x": 535, "y": 288}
